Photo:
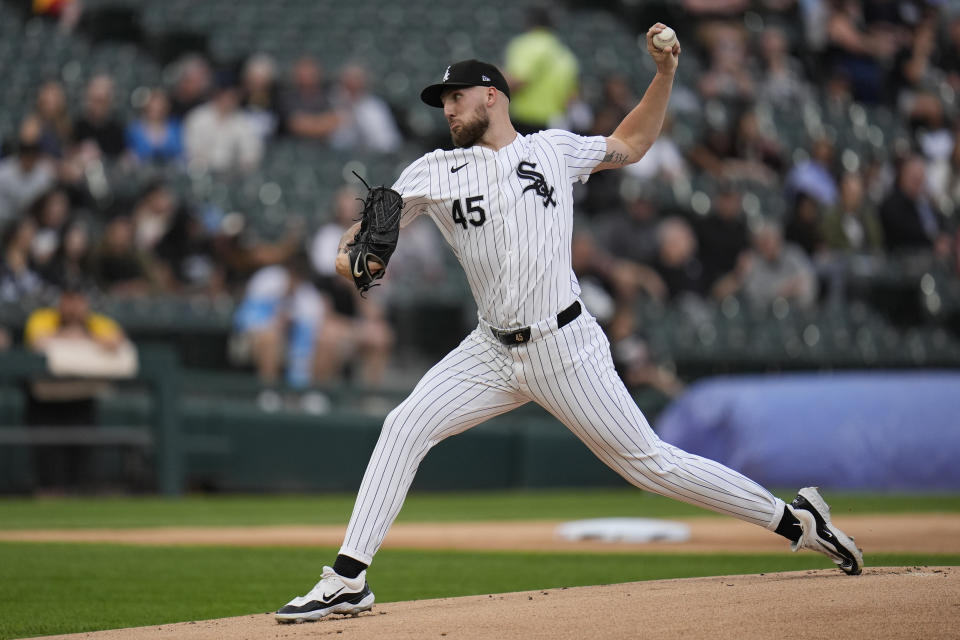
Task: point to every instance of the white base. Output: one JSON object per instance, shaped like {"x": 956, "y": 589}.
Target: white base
{"x": 624, "y": 530}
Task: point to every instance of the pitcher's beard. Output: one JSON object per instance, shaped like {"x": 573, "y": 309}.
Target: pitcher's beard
{"x": 471, "y": 132}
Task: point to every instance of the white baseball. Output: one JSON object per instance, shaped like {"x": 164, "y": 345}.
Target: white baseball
{"x": 664, "y": 39}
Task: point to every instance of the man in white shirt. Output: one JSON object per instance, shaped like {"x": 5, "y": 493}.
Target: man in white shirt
{"x": 368, "y": 123}
{"x": 24, "y": 175}
{"x": 220, "y": 137}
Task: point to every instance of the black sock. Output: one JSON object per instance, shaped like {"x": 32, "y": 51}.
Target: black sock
{"x": 789, "y": 526}
{"x": 348, "y": 567}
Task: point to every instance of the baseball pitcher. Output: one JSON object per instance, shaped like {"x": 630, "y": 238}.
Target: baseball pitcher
{"x": 503, "y": 202}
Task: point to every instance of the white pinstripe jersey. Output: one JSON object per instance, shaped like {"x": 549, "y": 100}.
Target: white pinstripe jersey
{"x": 508, "y": 215}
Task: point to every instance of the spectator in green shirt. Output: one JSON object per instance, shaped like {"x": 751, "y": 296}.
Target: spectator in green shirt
{"x": 853, "y": 224}
{"x": 542, "y": 73}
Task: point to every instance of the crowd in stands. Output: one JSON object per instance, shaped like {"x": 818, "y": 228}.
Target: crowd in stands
{"x": 902, "y": 56}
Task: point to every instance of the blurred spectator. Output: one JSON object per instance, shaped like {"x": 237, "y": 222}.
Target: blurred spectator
{"x": 219, "y": 136}
{"x": 367, "y": 122}
{"x": 577, "y": 117}
{"x": 745, "y": 154}
{"x": 98, "y": 124}
{"x": 18, "y": 280}
{"x": 713, "y": 149}
{"x": 837, "y": 94}
{"x": 155, "y": 137}
{"x": 5, "y": 340}
{"x": 67, "y": 12}
{"x": 153, "y": 215}
{"x": 743, "y": 151}
{"x": 354, "y": 329}
{"x": 597, "y": 275}
{"x": 306, "y": 106}
{"x": 241, "y": 253}
{"x": 281, "y": 315}
{"x": 187, "y": 250}
{"x": 910, "y": 220}
{"x": 54, "y": 118}
{"x": 602, "y": 193}
{"x": 949, "y": 58}
{"x": 853, "y": 225}
{"x": 914, "y": 69}
{"x": 727, "y": 77}
{"x": 632, "y": 234}
{"x": 50, "y": 211}
{"x": 24, "y": 175}
{"x": 261, "y": 96}
{"x": 117, "y": 266}
{"x": 918, "y": 85}
{"x": 804, "y": 225}
{"x": 943, "y": 178}
{"x": 663, "y": 160}
{"x": 778, "y": 270}
{"x": 419, "y": 260}
{"x": 815, "y": 15}
{"x": 677, "y": 262}
{"x": 542, "y": 73}
{"x": 606, "y": 282}
{"x": 72, "y": 318}
{"x": 192, "y": 85}
{"x": 616, "y": 101}
{"x": 856, "y": 51}
{"x": 757, "y": 156}
{"x": 931, "y": 128}
{"x": 723, "y": 238}
{"x": 70, "y": 263}
{"x": 78, "y": 343}
{"x": 633, "y": 357}
{"x": 782, "y": 83}
{"x": 814, "y": 176}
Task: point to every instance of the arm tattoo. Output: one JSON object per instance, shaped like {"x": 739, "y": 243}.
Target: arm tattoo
{"x": 615, "y": 157}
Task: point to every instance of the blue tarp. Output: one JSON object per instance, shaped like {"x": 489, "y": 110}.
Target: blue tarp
{"x": 893, "y": 430}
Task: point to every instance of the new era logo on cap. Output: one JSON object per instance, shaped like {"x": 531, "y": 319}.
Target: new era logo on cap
{"x": 466, "y": 73}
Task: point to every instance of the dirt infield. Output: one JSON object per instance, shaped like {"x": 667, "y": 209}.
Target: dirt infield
{"x": 925, "y": 533}
{"x": 911, "y": 603}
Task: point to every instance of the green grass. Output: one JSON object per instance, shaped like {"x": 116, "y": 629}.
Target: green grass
{"x": 335, "y": 509}
{"x": 99, "y": 586}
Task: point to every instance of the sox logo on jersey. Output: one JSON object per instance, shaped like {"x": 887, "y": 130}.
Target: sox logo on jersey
{"x": 526, "y": 171}
{"x": 508, "y": 217}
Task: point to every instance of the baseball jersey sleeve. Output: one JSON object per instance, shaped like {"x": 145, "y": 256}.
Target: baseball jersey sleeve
{"x": 581, "y": 154}
{"x": 414, "y": 186}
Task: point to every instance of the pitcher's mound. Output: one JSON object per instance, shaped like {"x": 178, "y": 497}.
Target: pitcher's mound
{"x": 887, "y": 602}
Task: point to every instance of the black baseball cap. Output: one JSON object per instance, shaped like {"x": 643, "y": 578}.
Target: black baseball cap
{"x": 466, "y": 73}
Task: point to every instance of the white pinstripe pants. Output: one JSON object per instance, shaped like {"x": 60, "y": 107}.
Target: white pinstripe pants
{"x": 570, "y": 373}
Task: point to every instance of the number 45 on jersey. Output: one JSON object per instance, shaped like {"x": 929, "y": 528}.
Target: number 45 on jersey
{"x": 475, "y": 214}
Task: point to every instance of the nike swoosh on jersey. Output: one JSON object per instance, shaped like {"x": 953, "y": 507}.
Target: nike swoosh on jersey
{"x": 455, "y": 169}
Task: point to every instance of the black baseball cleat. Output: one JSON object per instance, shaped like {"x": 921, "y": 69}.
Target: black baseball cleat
{"x": 820, "y": 535}
{"x": 333, "y": 594}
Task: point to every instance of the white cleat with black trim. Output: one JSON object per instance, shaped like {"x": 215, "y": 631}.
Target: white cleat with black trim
{"x": 819, "y": 534}
{"x": 333, "y": 594}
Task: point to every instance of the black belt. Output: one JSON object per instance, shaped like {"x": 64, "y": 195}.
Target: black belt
{"x": 518, "y": 336}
